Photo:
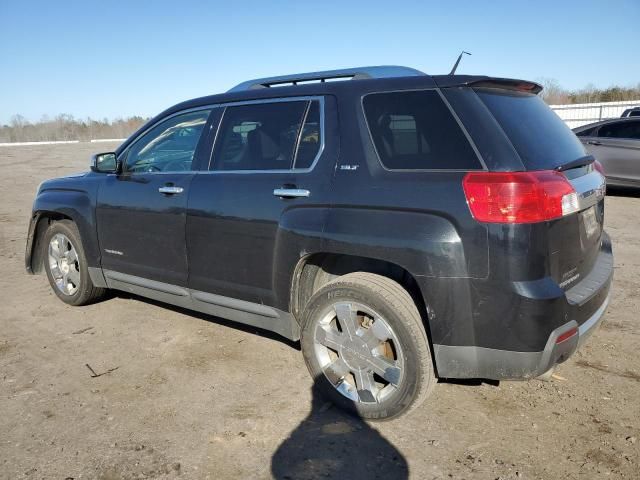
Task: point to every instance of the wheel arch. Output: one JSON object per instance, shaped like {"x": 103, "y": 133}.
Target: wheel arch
{"x": 55, "y": 206}
{"x": 317, "y": 269}
{"x": 72, "y": 198}
{"x": 40, "y": 221}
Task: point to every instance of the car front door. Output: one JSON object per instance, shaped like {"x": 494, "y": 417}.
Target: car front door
{"x": 141, "y": 212}
{"x": 270, "y": 164}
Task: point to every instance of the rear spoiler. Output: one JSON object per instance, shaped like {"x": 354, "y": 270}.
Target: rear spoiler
{"x": 487, "y": 82}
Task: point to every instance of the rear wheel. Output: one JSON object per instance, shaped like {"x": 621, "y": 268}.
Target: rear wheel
{"x": 66, "y": 265}
{"x": 364, "y": 343}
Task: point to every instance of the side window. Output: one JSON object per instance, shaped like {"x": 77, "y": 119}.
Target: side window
{"x": 626, "y": 129}
{"x": 265, "y": 136}
{"x": 415, "y": 130}
{"x": 169, "y": 146}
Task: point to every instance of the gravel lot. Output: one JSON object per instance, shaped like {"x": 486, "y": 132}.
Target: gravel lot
{"x": 192, "y": 396}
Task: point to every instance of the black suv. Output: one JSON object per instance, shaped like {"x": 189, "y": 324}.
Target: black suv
{"x": 404, "y": 227}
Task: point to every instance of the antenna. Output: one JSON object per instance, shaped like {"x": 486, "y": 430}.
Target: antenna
{"x": 455, "y": 66}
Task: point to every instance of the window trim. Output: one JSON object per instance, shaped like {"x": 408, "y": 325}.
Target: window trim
{"x": 125, "y": 153}
{"x": 310, "y": 98}
{"x": 483, "y": 166}
{"x": 296, "y": 147}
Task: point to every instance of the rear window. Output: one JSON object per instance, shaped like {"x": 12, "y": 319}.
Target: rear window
{"x": 416, "y": 131}
{"x": 540, "y": 137}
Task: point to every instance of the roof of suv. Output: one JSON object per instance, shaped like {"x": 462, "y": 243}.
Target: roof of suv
{"x": 360, "y": 79}
{"x": 320, "y": 83}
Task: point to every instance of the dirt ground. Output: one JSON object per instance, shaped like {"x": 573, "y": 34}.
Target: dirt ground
{"x": 192, "y": 396}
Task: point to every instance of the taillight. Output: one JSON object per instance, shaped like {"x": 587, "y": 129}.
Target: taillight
{"x": 598, "y": 166}
{"x": 567, "y": 335}
{"x": 519, "y": 197}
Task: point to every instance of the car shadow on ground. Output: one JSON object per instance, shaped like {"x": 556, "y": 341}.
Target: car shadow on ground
{"x": 329, "y": 443}
{"x": 623, "y": 192}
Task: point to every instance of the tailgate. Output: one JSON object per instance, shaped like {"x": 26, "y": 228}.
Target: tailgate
{"x": 575, "y": 240}
{"x": 544, "y": 142}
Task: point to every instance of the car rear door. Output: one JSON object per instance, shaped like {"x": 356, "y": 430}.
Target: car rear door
{"x": 617, "y": 147}
{"x": 268, "y": 164}
{"x": 141, "y": 212}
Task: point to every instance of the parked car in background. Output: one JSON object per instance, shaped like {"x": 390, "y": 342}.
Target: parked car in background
{"x": 631, "y": 112}
{"x": 616, "y": 145}
{"x": 402, "y": 226}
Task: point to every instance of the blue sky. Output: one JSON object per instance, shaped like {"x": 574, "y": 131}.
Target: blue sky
{"x": 116, "y": 58}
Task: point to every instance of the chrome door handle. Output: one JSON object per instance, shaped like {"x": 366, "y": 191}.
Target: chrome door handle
{"x": 170, "y": 190}
{"x": 594, "y": 142}
{"x": 291, "y": 192}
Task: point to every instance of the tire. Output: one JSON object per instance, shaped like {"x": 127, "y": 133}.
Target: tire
{"x": 75, "y": 287}
{"x": 341, "y": 326}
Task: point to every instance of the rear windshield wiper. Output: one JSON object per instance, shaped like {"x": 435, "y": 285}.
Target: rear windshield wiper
{"x": 579, "y": 162}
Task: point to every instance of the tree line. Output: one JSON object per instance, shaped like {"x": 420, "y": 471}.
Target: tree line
{"x": 67, "y": 127}
{"x": 555, "y": 94}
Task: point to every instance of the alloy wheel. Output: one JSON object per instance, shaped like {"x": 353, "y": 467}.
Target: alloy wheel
{"x": 358, "y": 352}
{"x": 64, "y": 264}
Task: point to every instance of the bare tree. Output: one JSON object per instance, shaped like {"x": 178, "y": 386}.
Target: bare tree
{"x": 552, "y": 92}
{"x": 66, "y": 127}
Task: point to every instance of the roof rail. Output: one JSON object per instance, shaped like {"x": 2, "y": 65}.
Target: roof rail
{"x": 358, "y": 73}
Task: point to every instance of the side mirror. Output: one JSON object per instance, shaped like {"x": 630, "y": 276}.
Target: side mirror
{"x": 105, "y": 163}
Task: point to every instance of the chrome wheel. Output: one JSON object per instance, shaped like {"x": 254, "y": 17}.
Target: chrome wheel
{"x": 64, "y": 264}
{"x": 358, "y": 352}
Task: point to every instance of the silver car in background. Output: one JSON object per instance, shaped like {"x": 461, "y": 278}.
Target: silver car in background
{"x": 631, "y": 112}
{"x": 616, "y": 145}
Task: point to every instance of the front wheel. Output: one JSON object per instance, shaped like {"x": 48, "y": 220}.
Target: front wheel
{"x": 366, "y": 347}
{"x": 66, "y": 265}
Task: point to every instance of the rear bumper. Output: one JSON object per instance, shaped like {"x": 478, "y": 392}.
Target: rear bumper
{"x": 581, "y": 307}
{"x": 480, "y": 362}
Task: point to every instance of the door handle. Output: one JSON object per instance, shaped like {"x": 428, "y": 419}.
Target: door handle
{"x": 291, "y": 192}
{"x": 594, "y": 142}
{"x": 167, "y": 190}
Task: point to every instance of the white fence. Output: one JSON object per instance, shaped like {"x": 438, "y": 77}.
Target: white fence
{"x": 24, "y": 144}
{"x": 57, "y": 142}
{"x": 584, "y": 113}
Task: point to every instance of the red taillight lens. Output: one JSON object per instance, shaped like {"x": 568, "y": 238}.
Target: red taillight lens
{"x": 567, "y": 335}
{"x": 519, "y": 197}
{"x": 598, "y": 166}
